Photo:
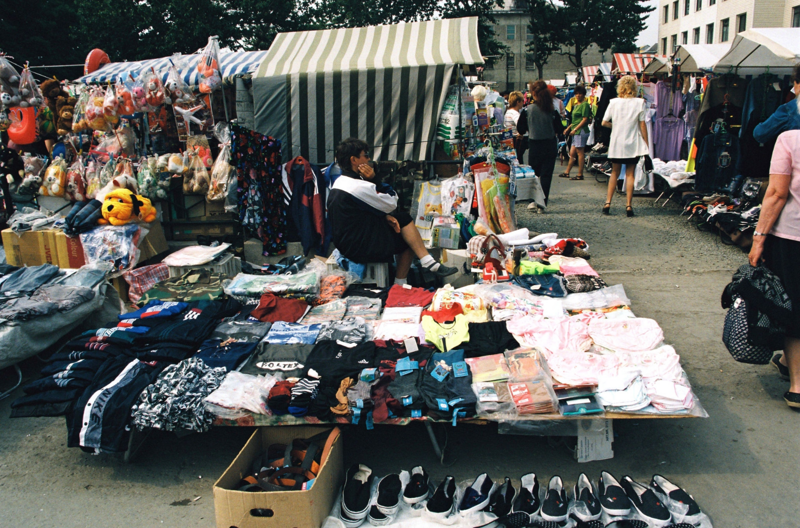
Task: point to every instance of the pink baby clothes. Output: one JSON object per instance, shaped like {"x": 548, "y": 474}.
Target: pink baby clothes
{"x": 573, "y": 265}
{"x": 551, "y": 336}
{"x": 626, "y": 335}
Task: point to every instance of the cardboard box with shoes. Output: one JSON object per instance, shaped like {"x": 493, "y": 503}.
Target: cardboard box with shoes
{"x": 279, "y": 509}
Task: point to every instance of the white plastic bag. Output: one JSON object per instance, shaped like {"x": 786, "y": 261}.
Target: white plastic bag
{"x": 240, "y": 394}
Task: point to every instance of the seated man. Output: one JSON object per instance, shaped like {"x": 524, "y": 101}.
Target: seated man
{"x": 366, "y": 225}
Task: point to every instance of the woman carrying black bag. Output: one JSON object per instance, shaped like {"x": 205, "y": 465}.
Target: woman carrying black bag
{"x": 776, "y": 242}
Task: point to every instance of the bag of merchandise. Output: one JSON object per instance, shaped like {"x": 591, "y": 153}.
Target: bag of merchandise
{"x": 222, "y": 176}
{"x": 457, "y": 195}
{"x": 93, "y": 170}
{"x": 9, "y": 84}
{"x": 29, "y": 92}
{"x": 473, "y": 306}
{"x": 153, "y": 90}
{"x": 208, "y": 67}
{"x": 55, "y": 178}
{"x": 111, "y": 106}
{"x": 75, "y": 190}
{"x": 116, "y": 245}
{"x": 79, "y": 122}
{"x": 195, "y": 180}
{"x": 426, "y": 204}
{"x": 139, "y": 94}
{"x": 501, "y": 205}
{"x": 148, "y": 184}
{"x": 95, "y": 117}
{"x": 176, "y": 91}
{"x": 125, "y": 104}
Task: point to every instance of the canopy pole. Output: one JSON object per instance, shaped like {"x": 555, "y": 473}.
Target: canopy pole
{"x": 224, "y": 100}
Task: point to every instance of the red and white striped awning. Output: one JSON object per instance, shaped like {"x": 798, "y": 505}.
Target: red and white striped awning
{"x": 590, "y": 72}
{"x": 632, "y": 62}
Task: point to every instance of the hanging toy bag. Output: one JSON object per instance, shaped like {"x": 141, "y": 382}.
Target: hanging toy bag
{"x": 176, "y": 90}
{"x": 111, "y": 106}
{"x": 125, "y": 104}
{"x": 79, "y": 123}
{"x": 29, "y": 93}
{"x": 9, "y": 85}
{"x": 196, "y": 180}
{"x": 92, "y": 179}
{"x": 76, "y": 186}
{"x": 95, "y": 117}
{"x": 139, "y": 94}
{"x": 208, "y": 67}
{"x": 222, "y": 175}
{"x": 153, "y": 90}
{"x": 55, "y": 178}
{"x": 148, "y": 184}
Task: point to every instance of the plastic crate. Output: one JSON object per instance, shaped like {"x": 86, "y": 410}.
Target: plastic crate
{"x": 226, "y": 264}
{"x": 376, "y": 272}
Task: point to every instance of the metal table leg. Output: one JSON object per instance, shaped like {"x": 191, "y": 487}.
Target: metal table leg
{"x": 434, "y": 441}
{"x": 19, "y": 381}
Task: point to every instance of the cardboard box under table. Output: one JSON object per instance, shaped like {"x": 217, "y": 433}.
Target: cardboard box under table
{"x": 278, "y": 509}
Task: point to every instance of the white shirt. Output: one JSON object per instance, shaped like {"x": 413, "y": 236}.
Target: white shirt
{"x": 510, "y": 120}
{"x": 625, "y": 113}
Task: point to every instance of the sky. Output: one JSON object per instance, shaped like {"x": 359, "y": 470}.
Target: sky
{"x": 650, "y": 35}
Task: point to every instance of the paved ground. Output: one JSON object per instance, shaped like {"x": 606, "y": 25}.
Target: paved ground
{"x": 740, "y": 464}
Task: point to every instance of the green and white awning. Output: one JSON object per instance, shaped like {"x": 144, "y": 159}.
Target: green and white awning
{"x": 383, "y": 84}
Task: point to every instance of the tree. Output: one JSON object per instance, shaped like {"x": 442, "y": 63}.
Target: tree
{"x": 542, "y": 44}
{"x": 489, "y": 44}
{"x": 607, "y": 23}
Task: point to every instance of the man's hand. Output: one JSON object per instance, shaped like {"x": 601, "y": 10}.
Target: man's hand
{"x": 366, "y": 172}
{"x": 393, "y": 222}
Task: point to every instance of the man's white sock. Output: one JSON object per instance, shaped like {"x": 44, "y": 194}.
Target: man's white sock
{"x": 429, "y": 262}
{"x": 400, "y": 282}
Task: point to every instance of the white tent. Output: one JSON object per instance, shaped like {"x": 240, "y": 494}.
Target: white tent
{"x": 659, "y": 64}
{"x": 757, "y": 49}
{"x": 696, "y": 58}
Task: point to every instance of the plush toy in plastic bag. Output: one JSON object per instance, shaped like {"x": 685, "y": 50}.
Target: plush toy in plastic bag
{"x": 139, "y": 94}
{"x": 55, "y": 179}
{"x": 76, "y": 188}
{"x": 222, "y": 175}
{"x": 29, "y": 92}
{"x": 9, "y": 84}
{"x": 5, "y": 121}
{"x": 148, "y": 184}
{"x": 457, "y": 195}
{"x": 125, "y": 104}
{"x": 107, "y": 173}
{"x": 33, "y": 167}
{"x": 92, "y": 179}
{"x": 154, "y": 89}
{"x": 177, "y": 91}
{"x": 208, "y": 67}
{"x": 195, "y": 180}
{"x": 176, "y": 164}
{"x": 79, "y": 122}
{"x": 95, "y": 116}
{"x": 111, "y": 106}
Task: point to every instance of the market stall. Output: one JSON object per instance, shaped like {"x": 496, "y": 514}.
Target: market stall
{"x": 599, "y": 73}
{"x": 632, "y": 62}
{"x": 761, "y": 50}
{"x": 383, "y": 84}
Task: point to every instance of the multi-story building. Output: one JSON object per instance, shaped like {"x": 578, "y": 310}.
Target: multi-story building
{"x": 516, "y": 69}
{"x": 718, "y": 21}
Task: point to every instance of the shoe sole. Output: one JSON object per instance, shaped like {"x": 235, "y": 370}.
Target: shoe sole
{"x": 551, "y": 518}
{"x": 656, "y": 523}
{"x": 440, "y": 516}
{"x": 793, "y": 405}
{"x": 616, "y": 513}
{"x": 415, "y": 500}
{"x": 778, "y": 366}
{"x": 476, "y": 508}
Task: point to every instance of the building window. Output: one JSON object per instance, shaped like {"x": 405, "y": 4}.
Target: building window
{"x": 664, "y": 46}
{"x": 666, "y": 14}
{"x": 710, "y": 34}
{"x": 675, "y": 10}
{"x": 511, "y": 32}
{"x": 529, "y": 64}
{"x": 489, "y": 64}
{"x": 723, "y": 30}
{"x": 712, "y": 2}
{"x": 528, "y": 33}
{"x": 686, "y": 4}
{"x": 698, "y": 5}
{"x": 796, "y": 16}
{"x": 741, "y": 22}
{"x": 696, "y": 35}
{"x": 685, "y": 38}
{"x": 674, "y": 43}
{"x": 511, "y": 62}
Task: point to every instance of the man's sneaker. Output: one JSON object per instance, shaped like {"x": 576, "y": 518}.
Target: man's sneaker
{"x": 554, "y": 507}
{"x": 443, "y": 503}
{"x": 356, "y": 495}
{"x": 612, "y": 497}
{"x": 477, "y": 496}
{"x": 442, "y": 271}
{"x": 677, "y": 494}
{"x": 502, "y": 499}
{"x": 528, "y": 497}
{"x": 587, "y": 507}
{"x": 783, "y": 370}
{"x": 646, "y": 502}
{"x": 388, "y": 503}
{"x": 419, "y": 487}
{"x": 512, "y": 520}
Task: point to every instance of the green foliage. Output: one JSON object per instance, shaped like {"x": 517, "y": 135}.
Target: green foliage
{"x": 544, "y": 42}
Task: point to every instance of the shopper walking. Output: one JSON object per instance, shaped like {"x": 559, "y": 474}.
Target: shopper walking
{"x": 786, "y": 117}
{"x": 579, "y": 130}
{"x": 542, "y": 142}
{"x": 776, "y": 242}
{"x": 512, "y": 112}
{"x": 625, "y": 117}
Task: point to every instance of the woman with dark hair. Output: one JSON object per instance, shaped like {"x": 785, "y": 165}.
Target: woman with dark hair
{"x": 578, "y": 129}
{"x": 786, "y": 117}
{"x": 542, "y": 141}
{"x": 367, "y": 227}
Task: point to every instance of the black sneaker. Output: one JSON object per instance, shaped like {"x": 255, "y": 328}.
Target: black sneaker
{"x": 356, "y": 495}
{"x": 783, "y": 370}
{"x": 442, "y": 271}
{"x": 476, "y": 497}
{"x": 528, "y": 497}
{"x": 443, "y": 503}
{"x": 588, "y": 507}
{"x": 419, "y": 487}
{"x": 502, "y": 499}
{"x": 554, "y": 508}
{"x": 388, "y": 503}
{"x": 612, "y": 497}
{"x": 646, "y": 502}
{"x": 512, "y": 520}
{"x": 677, "y": 494}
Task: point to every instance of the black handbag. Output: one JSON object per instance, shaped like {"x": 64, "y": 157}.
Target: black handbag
{"x": 736, "y": 336}
{"x": 558, "y": 124}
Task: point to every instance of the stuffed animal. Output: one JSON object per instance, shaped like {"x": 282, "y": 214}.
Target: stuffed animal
{"x": 122, "y": 206}
{"x": 111, "y": 106}
{"x": 76, "y": 189}
{"x": 122, "y": 180}
{"x": 155, "y": 92}
{"x": 5, "y": 121}
{"x": 148, "y": 185}
{"x": 94, "y": 111}
{"x": 139, "y": 98}
{"x": 31, "y": 177}
{"x": 125, "y": 100}
{"x": 11, "y": 166}
{"x": 9, "y": 85}
{"x": 65, "y": 108}
{"x": 55, "y": 179}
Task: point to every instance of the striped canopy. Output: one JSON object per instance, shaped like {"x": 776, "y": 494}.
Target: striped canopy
{"x": 632, "y": 62}
{"x": 383, "y": 84}
{"x": 232, "y": 63}
{"x": 590, "y": 72}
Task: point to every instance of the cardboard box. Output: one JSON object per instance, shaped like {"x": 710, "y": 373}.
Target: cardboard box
{"x": 70, "y": 251}
{"x": 278, "y": 509}
{"x": 460, "y": 259}
{"x": 31, "y": 248}
{"x": 155, "y": 243}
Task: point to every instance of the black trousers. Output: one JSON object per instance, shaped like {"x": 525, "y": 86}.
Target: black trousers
{"x": 543, "y": 161}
